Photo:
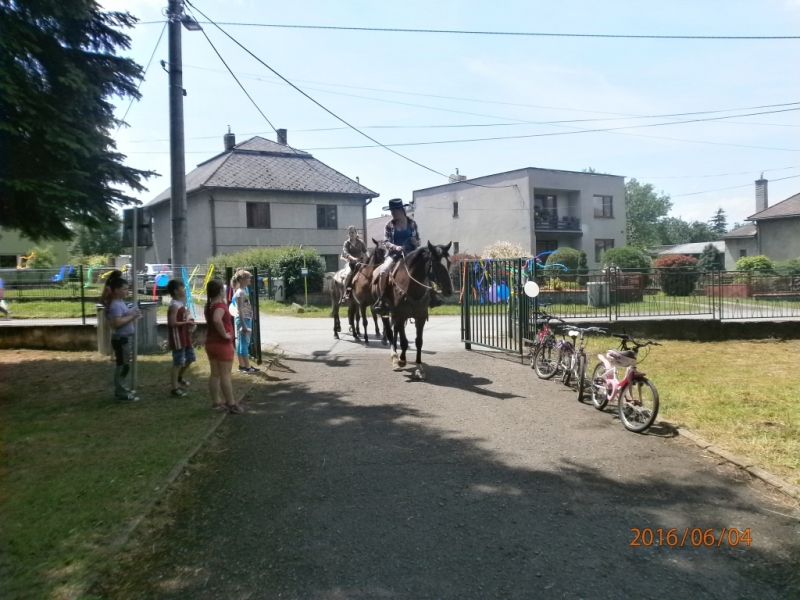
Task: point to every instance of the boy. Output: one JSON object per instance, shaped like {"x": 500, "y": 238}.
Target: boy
{"x": 121, "y": 319}
{"x": 180, "y": 326}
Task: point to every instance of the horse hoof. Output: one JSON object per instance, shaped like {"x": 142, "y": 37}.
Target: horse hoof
{"x": 335, "y": 335}
{"x": 401, "y": 363}
{"x": 396, "y": 365}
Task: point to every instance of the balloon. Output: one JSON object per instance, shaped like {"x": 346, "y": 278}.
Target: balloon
{"x": 531, "y": 289}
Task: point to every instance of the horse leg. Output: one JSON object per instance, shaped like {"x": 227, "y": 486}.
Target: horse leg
{"x": 337, "y": 326}
{"x": 363, "y": 310}
{"x": 401, "y": 327}
{"x": 421, "y": 375}
{"x": 393, "y": 332}
{"x": 352, "y": 318}
{"x": 384, "y": 339}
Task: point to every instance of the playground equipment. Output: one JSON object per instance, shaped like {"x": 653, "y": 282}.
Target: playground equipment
{"x": 26, "y": 259}
{"x": 202, "y": 290}
{"x": 89, "y": 274}
{"x": 66, "y": 271}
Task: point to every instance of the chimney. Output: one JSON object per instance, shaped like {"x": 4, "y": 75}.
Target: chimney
{"x": 229, "y": 140}
{"x": 762, "y": 201}
{"x": 282, "y": 137}
{"x": 456, "y": 178}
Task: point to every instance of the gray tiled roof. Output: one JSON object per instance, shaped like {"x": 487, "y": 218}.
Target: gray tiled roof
{"x": 749, "y": 230}
{"x": 259, "y": 164}
{"x": 693, "y": 248}
{"x": 786, "y": 208}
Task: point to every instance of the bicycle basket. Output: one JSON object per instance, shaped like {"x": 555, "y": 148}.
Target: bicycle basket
{"x": 621, "y": 358}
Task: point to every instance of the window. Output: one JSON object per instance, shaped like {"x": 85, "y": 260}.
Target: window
{"x": 258, "y": 215}
{"x": 8, "y": 261}
{"x": 546, "y": 246}
{"x": 332, "y": 262}
{"x": 545, "y": 205}
{"x": 455, "y": 247}
{"x": 742, "y": 252}
{"x": 600, "y": 247}
{"x": 326, "y": 216}
{"x": 455, "y": 209}
{"x": 603, "y": 207}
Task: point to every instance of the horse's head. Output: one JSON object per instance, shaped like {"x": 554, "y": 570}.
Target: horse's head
{"x": 378, "y": 254}
{"x": 438, "y": 267}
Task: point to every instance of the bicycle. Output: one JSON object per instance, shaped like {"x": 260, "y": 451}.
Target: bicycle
{"x": 573, "y": 357}
{"x": 636, "y": 395}
{"x": 543, "y": 361}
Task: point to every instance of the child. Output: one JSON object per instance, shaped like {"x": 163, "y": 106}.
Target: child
{"x": 121, "y": 319}
{"x": 3, "y": 303}
{"x": 219, "y": 348}
{"x": 180, "y": 326}
{"x": 106, "y": 296}
{"x": 244, "y": 319}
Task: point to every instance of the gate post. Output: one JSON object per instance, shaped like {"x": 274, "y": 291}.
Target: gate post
{"x": 466, "y": 328}
{"x": 256, "y": 339}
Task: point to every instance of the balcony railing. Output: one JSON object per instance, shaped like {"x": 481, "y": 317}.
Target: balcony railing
{"x": 545, "y": 223}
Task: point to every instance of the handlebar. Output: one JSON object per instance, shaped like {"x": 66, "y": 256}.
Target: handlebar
{"x": 627, "y": 338}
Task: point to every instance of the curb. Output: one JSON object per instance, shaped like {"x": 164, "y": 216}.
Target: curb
{"x": 782, "y": 485}
{"x": 120, "y": 540}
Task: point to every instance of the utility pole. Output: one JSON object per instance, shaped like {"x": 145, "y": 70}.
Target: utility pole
{"x": 177, "y": 149}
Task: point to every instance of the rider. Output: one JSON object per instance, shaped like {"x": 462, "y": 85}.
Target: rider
{"x": 400, "y": 234}
{"x": 354, "y": 251}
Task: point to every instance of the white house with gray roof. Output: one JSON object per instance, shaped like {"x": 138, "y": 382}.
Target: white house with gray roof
{"x": 262, "y": 193}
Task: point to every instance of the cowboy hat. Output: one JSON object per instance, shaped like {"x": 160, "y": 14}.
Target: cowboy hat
{"x": 395, "y": 203}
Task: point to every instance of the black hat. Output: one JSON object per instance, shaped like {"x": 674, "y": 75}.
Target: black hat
{"x": 396, "y": 203}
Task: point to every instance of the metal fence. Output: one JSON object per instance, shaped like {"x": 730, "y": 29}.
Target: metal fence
{"x": 495, "y": 313}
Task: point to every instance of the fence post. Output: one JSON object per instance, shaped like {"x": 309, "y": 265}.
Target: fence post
{"x": 256, "y": 339}
{"x": 466, "y": 329}
{"x": 83, "y": 298}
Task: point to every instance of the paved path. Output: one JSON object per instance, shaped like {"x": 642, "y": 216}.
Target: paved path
{"x": 348, "y": 480}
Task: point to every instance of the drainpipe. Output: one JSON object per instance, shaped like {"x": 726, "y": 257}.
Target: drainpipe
{"x": 367, "y": 203}
{"x": 211, "y": 203}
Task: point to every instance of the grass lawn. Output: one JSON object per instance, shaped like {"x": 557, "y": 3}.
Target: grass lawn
{"x": 78, "y": 466}
{"x": 270, "y": 307}
{"x": 61, "y": 309}
{"x": 743, "y": 396}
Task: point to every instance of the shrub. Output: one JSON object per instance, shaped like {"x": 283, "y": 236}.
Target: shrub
{"x": 711, "y": 259}
{"x": 754, "y": 263}
{"x": 503, "y": 250}
{"x": 569, "y": 257}
{"x": 283, "y": 261}
{"x": 788, "y": 267}
{"x": 627, "y": 257}
{"x": 679, "y": 276}
{"x": 90, "y": 260}
{"x": 43, "y": 257}
{"x": 583, "y": 263}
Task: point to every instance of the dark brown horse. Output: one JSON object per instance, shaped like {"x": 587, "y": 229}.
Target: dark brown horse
{"x": 360, "y": 296}
{"x": 410, "y": 292}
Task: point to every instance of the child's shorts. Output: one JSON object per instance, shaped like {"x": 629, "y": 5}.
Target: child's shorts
{"x": 183, "y": 357}
{"x": 221, "y": 352}
{"x": 243, "y": 339}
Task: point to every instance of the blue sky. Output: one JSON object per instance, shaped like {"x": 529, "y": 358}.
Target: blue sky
{"x": 497, "y": 82}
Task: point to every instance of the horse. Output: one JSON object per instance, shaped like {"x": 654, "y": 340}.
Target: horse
{"x": 410, "y": 298}
{"x": 357, "y": 306}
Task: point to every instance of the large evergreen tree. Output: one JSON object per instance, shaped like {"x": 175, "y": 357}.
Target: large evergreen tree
{"x": 644, "y": 208}
{"x": 58, "y": 70}
{"x": 719, "y": 223}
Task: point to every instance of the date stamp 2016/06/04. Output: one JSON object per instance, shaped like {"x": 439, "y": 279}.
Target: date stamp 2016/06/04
{"x": 690, "y": 536}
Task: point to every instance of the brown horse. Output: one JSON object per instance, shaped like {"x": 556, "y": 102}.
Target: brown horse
{"x": 410, "y": 295}
{"x": 359, "y": 298}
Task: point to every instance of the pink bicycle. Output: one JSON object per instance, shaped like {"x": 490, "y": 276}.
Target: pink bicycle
{"x": 635, "y": 394}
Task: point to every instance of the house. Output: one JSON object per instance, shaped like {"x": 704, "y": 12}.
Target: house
{"x": 540, "y": 209}
{"x": 774, "y": 231}
{"x": 14, "y": 246}
{"x": 693, "y": 249}
{"x": 262, "y": 193}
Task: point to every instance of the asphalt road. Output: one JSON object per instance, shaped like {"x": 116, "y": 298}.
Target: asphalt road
{"x": 348, "y": 480}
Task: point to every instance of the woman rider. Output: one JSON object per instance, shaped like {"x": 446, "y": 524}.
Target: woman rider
{"x": 353, "y": 251}
{"x": 400, "y": 233}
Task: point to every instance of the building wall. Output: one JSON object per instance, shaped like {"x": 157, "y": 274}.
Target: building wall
{"x": 488, "y": 215}
{"x": 293, "y": 221}
{"x": 733, "y": 247}
{"x": 13, "y": 245}
{"x": 780, "y": 238}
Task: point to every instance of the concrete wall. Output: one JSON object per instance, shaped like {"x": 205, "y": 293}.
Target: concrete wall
{"x": 779, "y": 238}
{"x": 293, "y": 220}
{"x": 492, "y": 213}
{"x": 485, "y": 214}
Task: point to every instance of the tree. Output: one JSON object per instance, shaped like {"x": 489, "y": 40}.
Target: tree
{"x": 105, "y": 239}
{"x": 719, "y": 223}
{"x": 643, "y": 209}
{"x": 627, "y": 257}
{"x": 711, "y": 259}
{"x": 502, "y": 249}
{"x": 678, "y": 277}
{"x": 569, "y": 257}
{"x": 43, "y": 257}
{"x": 674, "y": 230}
{"x": 58, "y": 68}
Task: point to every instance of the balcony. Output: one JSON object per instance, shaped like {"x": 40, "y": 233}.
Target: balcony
{"x": 559, "y": 224}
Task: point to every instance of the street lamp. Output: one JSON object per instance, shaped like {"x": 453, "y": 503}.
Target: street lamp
{"x": 179, "y": 228}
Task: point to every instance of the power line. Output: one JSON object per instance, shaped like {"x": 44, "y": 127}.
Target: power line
{"x": 716, "y": 175}
{"x": 141, "y": 80}
{"x": 733, "y": 187}
{"x": 330, "y": 112}
{"x": 499, "y": 33}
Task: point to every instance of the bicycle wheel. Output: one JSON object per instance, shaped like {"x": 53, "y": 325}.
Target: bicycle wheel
{"x": 545, "y": 361}
{"x": 598, "y": 389}
{"x": 532, "y": 354}
{"x": 638, "y": 405}
{"x": 580, "y": 373}
{"x": 567, "y": 365}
